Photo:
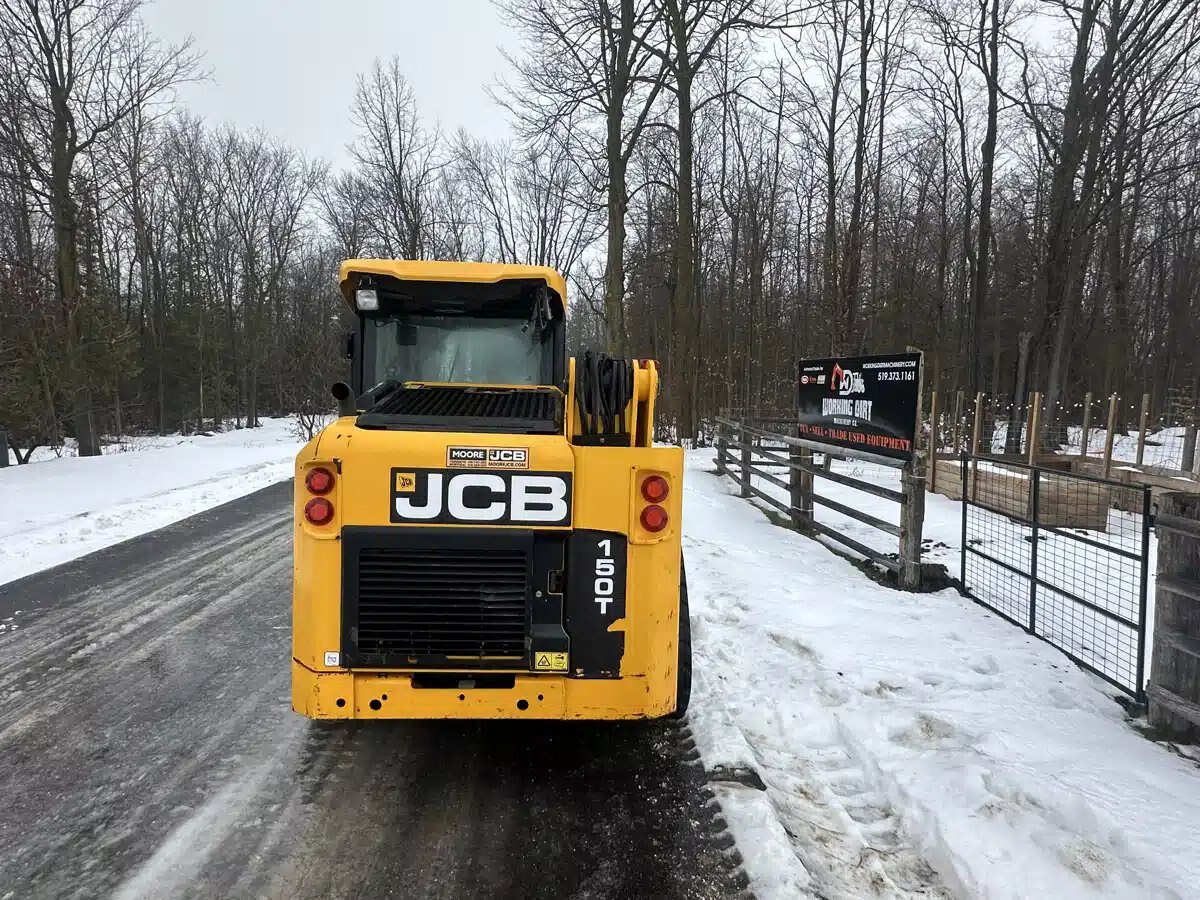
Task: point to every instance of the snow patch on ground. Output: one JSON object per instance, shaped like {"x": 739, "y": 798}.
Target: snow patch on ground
{"x": 911, "y": 745}
{"x": 59, "y": 509}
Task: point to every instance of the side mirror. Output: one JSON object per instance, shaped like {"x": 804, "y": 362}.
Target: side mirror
{"x": 351, "y": 344}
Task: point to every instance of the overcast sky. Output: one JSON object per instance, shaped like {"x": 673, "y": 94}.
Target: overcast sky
{"x": 289, "y": 65}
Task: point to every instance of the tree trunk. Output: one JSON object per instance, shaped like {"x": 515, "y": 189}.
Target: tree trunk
{"x": 684, "y": 262}
{"x": 67, "y": 264}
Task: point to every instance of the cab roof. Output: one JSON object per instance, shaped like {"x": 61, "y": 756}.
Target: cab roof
{"x": 429, "y": 270}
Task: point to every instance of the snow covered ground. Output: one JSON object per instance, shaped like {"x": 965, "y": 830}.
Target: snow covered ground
{"x": 56, "y": 510}
{"x": 911, "y": 745}
{"x": 1108, "y": 646}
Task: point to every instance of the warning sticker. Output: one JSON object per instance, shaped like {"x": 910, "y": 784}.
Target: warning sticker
{"x": 549, "y": 662}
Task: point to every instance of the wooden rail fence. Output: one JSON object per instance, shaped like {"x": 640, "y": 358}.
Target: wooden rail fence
{"x": 750, "y": 446}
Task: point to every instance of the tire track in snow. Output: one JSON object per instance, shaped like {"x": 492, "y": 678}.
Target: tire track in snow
{"x": 835, "y": 807}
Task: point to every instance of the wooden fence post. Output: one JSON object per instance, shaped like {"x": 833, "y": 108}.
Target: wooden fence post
{"x": 722, "y": 446}
{"x": 800, "y": 485}
{"x": 1174, "y": 691}
{"x": 1108, "y": 438}
{"x": 977, "y": 425}
{"x": 976, "y": 438}
{"x": 912, "y": 516}
{"x": 744, "y": 440}
{"x": 958, "y": 405}
{"x": 1142, "y": 423}
{"x": 1087, "y": 424}
{"x": 934, "y": 443}
{"x": 1032, "y": 427}
{"x": 1189, "y": 448}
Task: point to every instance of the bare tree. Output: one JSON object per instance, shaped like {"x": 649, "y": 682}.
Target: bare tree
{"x": 71, "y": 73}
{"x": 590, "y": 58}
{"x": 397, "y": 160}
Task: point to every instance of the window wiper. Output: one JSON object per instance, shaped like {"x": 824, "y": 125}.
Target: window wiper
{"x": 540, "y": 315}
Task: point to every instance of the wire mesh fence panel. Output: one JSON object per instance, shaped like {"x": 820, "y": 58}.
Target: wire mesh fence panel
{"x": 1064, "y": 556}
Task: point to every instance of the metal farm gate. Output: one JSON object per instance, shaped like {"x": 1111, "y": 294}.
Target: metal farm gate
{"x": 1064, "y": 556}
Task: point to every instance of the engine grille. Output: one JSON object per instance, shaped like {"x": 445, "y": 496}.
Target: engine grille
{"x": 415, "y": 603}
{"x": 474, "y": 402}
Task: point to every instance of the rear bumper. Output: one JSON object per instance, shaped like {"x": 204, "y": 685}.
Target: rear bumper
{"x": 390, "y": 695}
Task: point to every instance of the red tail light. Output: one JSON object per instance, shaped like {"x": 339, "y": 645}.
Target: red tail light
{"x": 655, "y": 489}
{"x": 654, "y": 518}
{"x": 319, "y": 511}
{"x": 319, "y": 481}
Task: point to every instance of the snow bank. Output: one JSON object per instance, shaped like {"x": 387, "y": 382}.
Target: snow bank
{"x": 912, "y": 744}
{"x": 56, "y": 510}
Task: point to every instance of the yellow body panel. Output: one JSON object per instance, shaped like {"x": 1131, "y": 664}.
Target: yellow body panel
{"x": 450, "y": 272}
{"x": 605, "y": 496}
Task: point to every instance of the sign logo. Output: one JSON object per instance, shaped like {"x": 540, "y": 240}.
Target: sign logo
{"x": 445, "y": 497}
{"x": 847, "y": 381}
{"x": 487, "y": 457}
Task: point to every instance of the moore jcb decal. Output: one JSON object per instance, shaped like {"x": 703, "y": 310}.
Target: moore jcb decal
{"x": 487, "y": 457}
{"x": 456, "y": 497}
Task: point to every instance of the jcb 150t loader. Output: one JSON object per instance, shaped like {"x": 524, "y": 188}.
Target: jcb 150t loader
{"x": 487, "y": 530}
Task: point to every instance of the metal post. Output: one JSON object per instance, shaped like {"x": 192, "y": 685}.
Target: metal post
{"x": 1035, "y": 509}
{"x": 1144, "y": 421}
{"x": 1142, "y": 597}
{"x": 964, "y": 461}
{"x": 1087, "y": 424}
{"x": 3, "y": 448}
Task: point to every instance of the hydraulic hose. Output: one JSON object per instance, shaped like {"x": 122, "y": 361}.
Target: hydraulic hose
{"x": 603, "y": 389}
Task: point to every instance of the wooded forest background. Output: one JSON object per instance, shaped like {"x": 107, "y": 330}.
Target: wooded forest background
{"x": 1012, "y": 186}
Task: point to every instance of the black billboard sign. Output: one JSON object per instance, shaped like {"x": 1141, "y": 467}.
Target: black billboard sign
{"x": 865, "y": 402}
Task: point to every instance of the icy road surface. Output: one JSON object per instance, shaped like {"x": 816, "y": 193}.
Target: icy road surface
{"x": 147, "y": 749}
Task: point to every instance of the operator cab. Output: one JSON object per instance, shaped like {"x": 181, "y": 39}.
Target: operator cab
{"x": 457, "y": 355}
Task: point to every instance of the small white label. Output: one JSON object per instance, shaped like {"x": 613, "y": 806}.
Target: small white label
{"x": 333, "y": 658}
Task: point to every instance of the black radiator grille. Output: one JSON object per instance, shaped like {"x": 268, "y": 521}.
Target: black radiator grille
{"x": 442, "y": 602}
{"x": 471, "y": 402}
